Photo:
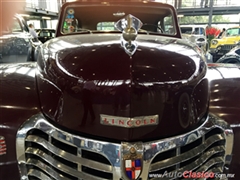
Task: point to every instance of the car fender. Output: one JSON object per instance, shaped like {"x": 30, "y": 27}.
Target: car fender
{"x": 18, "y": 102}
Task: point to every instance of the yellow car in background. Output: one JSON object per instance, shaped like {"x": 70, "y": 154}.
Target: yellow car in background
{"x": 219, "y": 47}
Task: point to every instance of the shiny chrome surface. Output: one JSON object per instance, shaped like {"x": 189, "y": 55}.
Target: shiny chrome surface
{"x": 129, "y": 122}
{"x": 47, "y": 152}
{"x": 129, "y": 26}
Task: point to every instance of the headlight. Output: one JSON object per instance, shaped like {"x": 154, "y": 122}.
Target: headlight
{"x": 214, "y": 42}
{"x": 219, "y": 47}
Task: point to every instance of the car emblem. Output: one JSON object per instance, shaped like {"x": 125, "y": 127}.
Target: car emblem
{"x": 128, "y": 122}
{"x": 3, "y": 147}
{"x": 132, "y": 160}
{"x": 129, "y": 27}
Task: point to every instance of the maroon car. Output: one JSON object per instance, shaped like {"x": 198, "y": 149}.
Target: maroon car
{"x": 118, "y": 94}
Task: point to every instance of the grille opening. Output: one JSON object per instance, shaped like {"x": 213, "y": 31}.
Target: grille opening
{"x": 217, "y": 165}
{"x": 61, "y": 160}
{"x": 164, "y": 155}
{"x": 213, "y": 132}
{"x": 34, "y": 157}
{"x": 47, "y": 164}
{"x": 220, "y": 154}
{"x": 65, "y": 174}
{"x": 32, "y": 178}
{"x": 218, "y": 143}
{"x": 182, "y": 164}
{"x": 66, "y": 162}
{"x": 97, "y": 173}
{"x": 64, "y": 146}
{"x": 162, "y": 171}
{"x": 191, "y": 145}
{"x": 36, "y": 168}
{"x": 35, "y": 146}
{"x": 95, "y": 157}
{"x": 39, "y": 133}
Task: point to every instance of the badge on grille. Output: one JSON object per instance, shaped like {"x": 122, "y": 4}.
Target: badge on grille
{"x": 3, "y": 147}
{"x": 132, "y": 160}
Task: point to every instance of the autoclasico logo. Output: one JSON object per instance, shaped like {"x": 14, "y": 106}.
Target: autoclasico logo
{"x": 128, "y": 122}
{"x": 191, "y": 174}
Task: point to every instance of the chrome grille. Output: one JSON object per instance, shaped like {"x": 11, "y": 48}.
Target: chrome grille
{"x": 46, "y": 152}
{"x": 204, "y": 154}
{"x": 227, "y": 47}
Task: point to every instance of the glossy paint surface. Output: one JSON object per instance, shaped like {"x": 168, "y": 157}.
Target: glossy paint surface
{"x": 225, "y": 103}
{"x": 95, "y": 76}
{"x": 18, "y": 102}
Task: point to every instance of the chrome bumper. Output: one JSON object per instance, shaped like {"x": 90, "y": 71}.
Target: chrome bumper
{"x": 47, "y": 152}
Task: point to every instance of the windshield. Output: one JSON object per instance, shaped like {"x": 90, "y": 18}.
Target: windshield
{"x": 96, "y": 18}
{"x": 233, "y": 32}
{"x": 190, "y": 30}
{"x": 186, "y": 30}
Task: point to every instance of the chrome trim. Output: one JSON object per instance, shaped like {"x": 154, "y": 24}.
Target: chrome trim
{"x": 39, "y": 174}
{"x": 129, "y": 26}
{"x": 129, "y": 122}
{"x": 115, "y": 163}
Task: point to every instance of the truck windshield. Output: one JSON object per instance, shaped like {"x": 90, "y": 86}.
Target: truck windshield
{"x": 233, "y": 32}
{"x": 92, "y": 18}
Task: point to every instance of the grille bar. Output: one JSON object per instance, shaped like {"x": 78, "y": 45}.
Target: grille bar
{"x": 45, "y": 168}
{"x": 199, "y": 162}
{"x": 187, "y": 155}
{"x": 212, "y": 162}
{"x": 69, "y": 156}
{"x": 40, "y": 175}
{"x": 66, "y": 169}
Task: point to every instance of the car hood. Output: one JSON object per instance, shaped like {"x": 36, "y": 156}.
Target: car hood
{"x": 229, "y": 40}
{"x": 89, "y": 80}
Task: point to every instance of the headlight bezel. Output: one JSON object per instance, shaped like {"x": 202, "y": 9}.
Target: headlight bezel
{"x": 214, "y": 42}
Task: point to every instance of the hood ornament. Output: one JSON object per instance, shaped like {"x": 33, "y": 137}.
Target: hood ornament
{"x": 129, "y": 26}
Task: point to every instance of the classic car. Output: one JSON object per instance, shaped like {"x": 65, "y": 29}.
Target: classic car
{"x": 195, "y": 34}
{"x": 45, "y": 34}
{"x": 232, "y": 57}
{"x": 220, "y": 47}
{"x": 16, "y": 43}
{"x": 118, "y": 94}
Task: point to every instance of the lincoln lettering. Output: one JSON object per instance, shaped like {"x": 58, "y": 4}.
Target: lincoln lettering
{"x": 129, "y": 122}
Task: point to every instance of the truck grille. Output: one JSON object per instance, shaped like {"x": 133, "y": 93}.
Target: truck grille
{"x": 202, "y": 155}
{"x": 54, "y": 159}
{"x": 227, "y": 47}
{"x": 46, "y": 152}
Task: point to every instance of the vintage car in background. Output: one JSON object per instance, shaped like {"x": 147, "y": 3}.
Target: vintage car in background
{"x": 220, "y": 47}
{"x": 118, "y": 94}
{"x": 16, "y": 43}
{"x": 45, "y": 34}
{"x": 232, "y": 57}
{"x": 195, "y": 34}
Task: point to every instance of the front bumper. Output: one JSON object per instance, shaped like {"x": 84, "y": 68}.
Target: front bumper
{"x": 47, "y": 152}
